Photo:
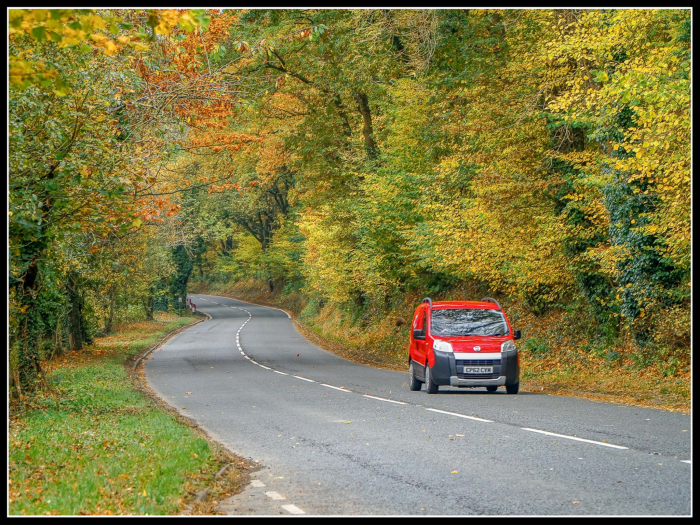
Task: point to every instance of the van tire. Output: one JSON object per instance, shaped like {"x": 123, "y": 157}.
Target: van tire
{"x": 413, "y": 382}
{"x": 430, "y": 386}
{"x": 513, "y": 389}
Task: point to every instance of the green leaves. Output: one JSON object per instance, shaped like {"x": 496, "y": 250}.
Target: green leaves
{"x": 201, "y": 18}
{"x": 39, "y": 33}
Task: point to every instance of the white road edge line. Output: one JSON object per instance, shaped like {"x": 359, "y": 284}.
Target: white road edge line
{"x": 293, "y": 509}
{"x": 337, "y": 388}
{"x": 685, "y": 461}
{"x": 460, "y": 415}
{"x": 387, "y": 400}
{"x": 575, "y": 438}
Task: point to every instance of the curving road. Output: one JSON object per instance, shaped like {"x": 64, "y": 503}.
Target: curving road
{"x": 335, "y": 437}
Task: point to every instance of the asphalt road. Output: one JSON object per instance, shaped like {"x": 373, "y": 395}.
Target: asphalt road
{"x": 333, "y": 437}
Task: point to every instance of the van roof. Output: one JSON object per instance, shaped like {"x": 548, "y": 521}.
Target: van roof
{"x": 465, "y": 304}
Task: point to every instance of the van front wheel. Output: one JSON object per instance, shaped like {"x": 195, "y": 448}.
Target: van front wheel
{"x": 430, "y": 386}
{"x": 513, "y": 389}
{"x": 413, "y": 382}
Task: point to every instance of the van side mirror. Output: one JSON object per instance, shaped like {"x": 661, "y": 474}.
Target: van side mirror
{"x": 516, "y": 334}
{"x": 418, "y": 334}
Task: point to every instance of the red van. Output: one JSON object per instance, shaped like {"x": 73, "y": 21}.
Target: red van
{"x": 463, "y": 344}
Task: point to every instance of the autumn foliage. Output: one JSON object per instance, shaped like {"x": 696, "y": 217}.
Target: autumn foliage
{"x": 359, "y": 157}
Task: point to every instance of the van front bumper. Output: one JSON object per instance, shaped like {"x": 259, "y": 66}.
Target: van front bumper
{"x": 448, "y": 368}
{"x": 456, "y": 381}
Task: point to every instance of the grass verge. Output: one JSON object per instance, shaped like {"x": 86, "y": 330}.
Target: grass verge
{"x": 95, "y": 443}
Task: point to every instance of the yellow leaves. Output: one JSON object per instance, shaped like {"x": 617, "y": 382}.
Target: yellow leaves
{"x": 95, "y": 21}
{"x": 166, "y": 21}
{"x": 110, "y": 48}
{"x": 20, "y": 70}
{"x": 186, "y": 22}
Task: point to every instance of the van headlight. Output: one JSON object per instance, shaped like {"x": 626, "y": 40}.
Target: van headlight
{"x": 508, "y": 346}
{"x": 442, "y": 346}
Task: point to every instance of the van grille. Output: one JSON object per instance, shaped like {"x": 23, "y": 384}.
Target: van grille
{"x": 496, "y": 363}
{"x": 477, "y": 362}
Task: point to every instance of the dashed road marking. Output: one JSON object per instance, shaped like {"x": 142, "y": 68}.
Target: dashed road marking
{"x": 575, "y": 438}
{"x": 337, "y": 388}
{"x": 274, "y": 495}
{"x": 257, "y": 483}
{"x": 460, "y": 415}
{"x": 387, "y": 400}
{"x": 293, "y": 509}
{"x": 305, "y": 379}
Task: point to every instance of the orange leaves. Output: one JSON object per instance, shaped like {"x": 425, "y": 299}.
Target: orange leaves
{"x": 218, "y": 188}
{"x": 220, "y": 141}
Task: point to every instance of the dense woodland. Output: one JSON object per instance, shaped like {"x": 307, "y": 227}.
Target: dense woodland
{"x": 355, "y": 157}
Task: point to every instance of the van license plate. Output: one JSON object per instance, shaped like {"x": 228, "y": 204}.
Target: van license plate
{"x": 478, "y": 370}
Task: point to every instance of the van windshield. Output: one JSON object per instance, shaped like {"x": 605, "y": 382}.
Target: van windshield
{"x": 454, "y": 322}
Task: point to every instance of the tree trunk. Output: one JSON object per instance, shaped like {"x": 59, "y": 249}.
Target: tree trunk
{"x": 75, "y": 314}
{"x": 110, "y": 316}
{"x": 363, "y": 105}
{"x": 28, "y": 363}
{"x": 58, "y": 340}
{"x": 148, "y": 306}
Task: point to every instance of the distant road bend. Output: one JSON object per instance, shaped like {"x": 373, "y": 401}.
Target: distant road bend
{"x": 340, "y": 438}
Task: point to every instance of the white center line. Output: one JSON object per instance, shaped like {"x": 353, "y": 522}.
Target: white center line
{"x": 387, "y": 400}
{"x": 575, "y": 438}
{"x": 274, "y": 495}
{"x": 337, "y": 388}
{"x": 304, "y": 379}
{"x": 278, "y": 372}
{"x": 460, "y": 415}
{"x": 293, "y": 509}
{"x": 685, "y": 461}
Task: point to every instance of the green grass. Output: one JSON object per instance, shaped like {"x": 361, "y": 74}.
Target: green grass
{"x": 95, "y": 445}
